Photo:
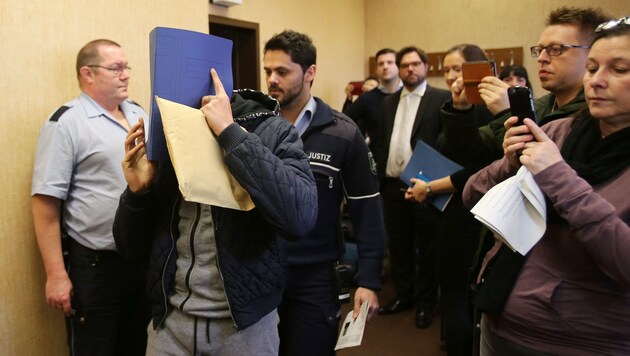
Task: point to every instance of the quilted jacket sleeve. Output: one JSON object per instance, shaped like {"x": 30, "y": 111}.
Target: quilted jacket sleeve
{"x": 136, "y": 220}
{"x": 131, "y": 229}
{"x": 271, "y": 165}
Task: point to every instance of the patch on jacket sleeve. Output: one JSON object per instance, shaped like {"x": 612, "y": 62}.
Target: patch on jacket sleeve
{"x": 55, "y": 117}
{"x": 372, "y": 163}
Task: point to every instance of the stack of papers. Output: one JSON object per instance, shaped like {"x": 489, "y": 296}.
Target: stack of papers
{"x": 515, "y": 211}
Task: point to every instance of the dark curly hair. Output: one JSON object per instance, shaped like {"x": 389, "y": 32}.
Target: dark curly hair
{"x": 297, "y": 45}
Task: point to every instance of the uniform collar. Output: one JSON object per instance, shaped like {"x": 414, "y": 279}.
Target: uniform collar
{"x": 131, "y": 110}
{"x": 93, "y": 109}
{"x": 306, "y": 115}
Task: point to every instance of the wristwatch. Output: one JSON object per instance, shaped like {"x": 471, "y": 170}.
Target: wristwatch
{"x": 427, "y": 189}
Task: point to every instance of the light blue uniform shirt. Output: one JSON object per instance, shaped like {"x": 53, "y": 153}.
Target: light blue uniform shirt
{"x": 78, "y": 160}
{"x": 305, "y": 116}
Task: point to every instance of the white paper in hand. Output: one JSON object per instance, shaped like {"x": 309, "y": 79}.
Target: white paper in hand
{"x": 352, "y": 329}
{"x": 198, "y": 159}
{"x": 515, "y": 211}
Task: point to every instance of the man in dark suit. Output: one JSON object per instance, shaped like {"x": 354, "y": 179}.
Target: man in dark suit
{"x": 365, "y": 111}
{"x": 409, "y": 115}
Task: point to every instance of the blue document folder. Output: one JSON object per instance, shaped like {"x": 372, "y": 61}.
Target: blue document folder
{"x": 428, "y": 164}
{"x": 180, "y": 72}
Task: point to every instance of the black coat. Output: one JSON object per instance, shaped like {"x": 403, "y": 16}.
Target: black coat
{"x": 426, "y": 127}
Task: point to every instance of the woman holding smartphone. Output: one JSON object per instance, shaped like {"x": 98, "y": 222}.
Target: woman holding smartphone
{"x": 572, "y": 293}
{"x": 459, "y": 231}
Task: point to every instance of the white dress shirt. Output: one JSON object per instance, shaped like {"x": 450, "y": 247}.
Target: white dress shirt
{"x": 400, "y": 144}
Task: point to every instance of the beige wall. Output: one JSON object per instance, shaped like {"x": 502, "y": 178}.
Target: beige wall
{"x": 435, "y": 26}
{"x": 40, "y": 40}
{"x": 336, "y": 28}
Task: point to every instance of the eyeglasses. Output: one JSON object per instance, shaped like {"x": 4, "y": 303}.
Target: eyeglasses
{"x": 553, "y": 49}
{"x": 609, "y": 25}
{"x": 116, "y": 70}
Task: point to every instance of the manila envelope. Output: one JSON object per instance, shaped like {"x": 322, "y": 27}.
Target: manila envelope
{"x": 198, "y": 159}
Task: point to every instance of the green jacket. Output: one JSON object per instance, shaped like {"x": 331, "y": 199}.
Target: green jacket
{"x": 485, "y": 144}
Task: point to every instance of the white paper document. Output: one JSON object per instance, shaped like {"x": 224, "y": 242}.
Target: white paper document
{"x": 352, "y": 329}
{"x": 515, "y": 211}
{"x": 198, "y": 159}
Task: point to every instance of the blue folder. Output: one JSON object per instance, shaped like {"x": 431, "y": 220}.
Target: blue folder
{"x": 428, "y": 164}
{"x": 180, "y": 72}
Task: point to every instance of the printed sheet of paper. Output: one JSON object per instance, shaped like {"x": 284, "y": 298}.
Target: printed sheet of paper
{"x": 352, "y": 329}
{"x": 515, "y": 211}
{"x": 198, "y": 159}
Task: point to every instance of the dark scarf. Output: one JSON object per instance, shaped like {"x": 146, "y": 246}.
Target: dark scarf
{"x": 596, "y": 160}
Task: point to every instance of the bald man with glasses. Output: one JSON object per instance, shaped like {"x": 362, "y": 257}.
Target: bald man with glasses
{"x": 77, "y": 182}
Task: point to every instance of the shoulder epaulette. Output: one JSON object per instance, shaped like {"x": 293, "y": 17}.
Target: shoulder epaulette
{"x": 134, "y": 103}
{"x": 58, "y": 113}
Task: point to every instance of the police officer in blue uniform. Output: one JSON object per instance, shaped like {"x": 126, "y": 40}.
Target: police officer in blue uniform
{"x": 343, "y": 168}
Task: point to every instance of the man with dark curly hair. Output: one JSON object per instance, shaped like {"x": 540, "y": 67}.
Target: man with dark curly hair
{"x": 343, "y": 168}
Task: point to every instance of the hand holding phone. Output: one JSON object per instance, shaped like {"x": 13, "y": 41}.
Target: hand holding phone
{"x": 521, "y": 103}
{"x": 472, "y": 73}
{"x": 357, "y": 87}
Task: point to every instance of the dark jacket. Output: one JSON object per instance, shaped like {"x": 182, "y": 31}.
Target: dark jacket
{"x": 365, "y": 111}
{"x": 268, "y": 161}
{"x": 426, "y": 127}
{"x": 452, "y": 138}
{"x": 343, "y": 168}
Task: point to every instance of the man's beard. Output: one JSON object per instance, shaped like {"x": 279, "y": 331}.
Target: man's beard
{"x": 413, "y": 82}
{"x": 288, "y": 96}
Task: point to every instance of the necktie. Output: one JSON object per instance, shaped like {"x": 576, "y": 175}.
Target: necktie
{"x": 399, "y": 153}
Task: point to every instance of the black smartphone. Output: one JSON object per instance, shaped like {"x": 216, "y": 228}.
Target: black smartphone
{"x": 521, "y": 103}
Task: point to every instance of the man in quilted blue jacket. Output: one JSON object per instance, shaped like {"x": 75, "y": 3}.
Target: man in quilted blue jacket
{"x": 216, "y": 275}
